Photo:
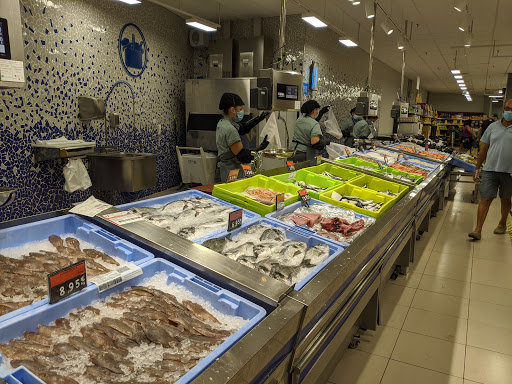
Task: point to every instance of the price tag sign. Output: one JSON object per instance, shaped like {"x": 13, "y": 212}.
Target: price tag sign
{"x": 233, "y": 175}
{"x": 247, "y": 170}
{"x": 116, "y": 277}
{"x": 123, "y": 217}
{"x": 291, "y": 167}
{"x": 347, "y": 151}
{"x": 304, "y": 197}
{"x": 67, "y": 281}
{"x": 319, "y": 160}
{"x": 280, "y": 202}
{"x": 235, "y": 219}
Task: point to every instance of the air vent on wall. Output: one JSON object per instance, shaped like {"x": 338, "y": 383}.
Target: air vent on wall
{"x": 197, "y": 38}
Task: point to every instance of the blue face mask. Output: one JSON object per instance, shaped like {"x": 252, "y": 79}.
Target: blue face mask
{"x": 356, "y": 118}
{"x": 239, "y": 116}
{"x": 507, "y": 116}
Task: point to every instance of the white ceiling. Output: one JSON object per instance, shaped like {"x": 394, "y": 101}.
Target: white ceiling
{"x": 436, "y": 45}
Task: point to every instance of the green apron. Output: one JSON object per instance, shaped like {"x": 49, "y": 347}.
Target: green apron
{"x": 305, "y": 129}
{"x": 226, "y": 135}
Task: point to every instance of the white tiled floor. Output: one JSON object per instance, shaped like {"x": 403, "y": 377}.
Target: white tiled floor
{"x": 449, "y": 321}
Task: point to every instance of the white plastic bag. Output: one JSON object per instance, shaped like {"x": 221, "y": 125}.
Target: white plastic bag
{"x": 272, "y": 131}
{"x": 335, "y": 150}
{"x": 76, "y": 176}
{"x": 331, "y": 125}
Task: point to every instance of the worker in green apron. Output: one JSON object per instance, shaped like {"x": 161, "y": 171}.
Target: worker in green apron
{"x": 307, "y": 136}
{"x": 347, "y": 128}
{"x": 232, "y": 154}
{"x": 364, "y": 128}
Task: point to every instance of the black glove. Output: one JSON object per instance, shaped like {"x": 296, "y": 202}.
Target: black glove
{"x": 322, "y": 112}
{"x": 346, "y": 133}
{"x": 321, "y": 144}
{"x": 247, "y": 127}
{"x": 244, "y": 156}
{"x": 264, "y": 144}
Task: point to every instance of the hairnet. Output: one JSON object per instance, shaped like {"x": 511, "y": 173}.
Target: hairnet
{"x": 352, "y": 110}
{"x": 228, "y": 100}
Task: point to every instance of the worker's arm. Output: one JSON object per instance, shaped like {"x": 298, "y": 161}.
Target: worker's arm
{"x": 247, "y": 127}
{"x": 236, "y": 147}
{"x": 479, "y": 134}
{"x": 482, "y": 156}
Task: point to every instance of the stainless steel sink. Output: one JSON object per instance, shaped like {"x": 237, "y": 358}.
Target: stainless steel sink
{"x": 122, "y": 171}
{"x": 6, "y": 196}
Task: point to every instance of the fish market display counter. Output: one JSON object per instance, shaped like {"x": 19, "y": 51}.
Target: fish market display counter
{"x": 307, "y": 326}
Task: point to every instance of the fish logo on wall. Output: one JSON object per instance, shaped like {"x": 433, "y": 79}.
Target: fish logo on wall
{"x": 133, "y": 50}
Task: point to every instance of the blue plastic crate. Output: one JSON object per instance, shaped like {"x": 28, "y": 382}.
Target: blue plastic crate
{"x": 20, "y": 375}
{"x": 248, "y": 215}
{"x": 221, "y": 299}
{"x": 291, "y": 208}
{"x": 310, "y": 238}
{"x": 83, "y": 231}
{"x": 462, "y": 164}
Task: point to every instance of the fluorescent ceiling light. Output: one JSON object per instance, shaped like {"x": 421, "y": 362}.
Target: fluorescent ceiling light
{"x": 314, "y": 21}
{"x": 347, "y": 42}
{"x": 495, "y": 101}
{"x": 460, "y": 81}
{"x": 203, "y": 25}
{"x": 462, "y": 28}
{"x": 131, "y": 2}
{"x": 356, "y": 2}
{"x": 497, "y": 96}
{"x": 401, "y": 43}
{"x": 500, "y": 91}
{"x": 458, "y": 76}
{"x": 468, "y": 40}
{"x": 455, "y": 71}
{"x": 369, "y": 8}
{"x": 464, "y": 87}
{"x": 386, "y": 28}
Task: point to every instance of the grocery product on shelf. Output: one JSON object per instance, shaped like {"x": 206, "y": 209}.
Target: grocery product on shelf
{"x": 162, "y": 326}
{"x": 358, "y": 202}
{"x": 264, "y": 195}
{"x": 409, "y": 169}
{"x": 23, "y": 276}
{"x": 345, "y": 230}
{"x": 190, "y": 218}
{"x": 272, "y": 251}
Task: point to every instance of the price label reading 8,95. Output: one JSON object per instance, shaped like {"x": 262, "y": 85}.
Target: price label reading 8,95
{"x": 67, "y": 281}
{"x": 235, "y": 219}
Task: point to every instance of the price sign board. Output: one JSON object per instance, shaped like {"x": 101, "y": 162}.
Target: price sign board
{"x": 291, "y": 167}
{"x": 247, "y": 170}
{"x": 319, "y": 160}
{"x": 304, "y": 197}
{"x": 66, "y": 281}
{"x": 233, "y": 175}
{"x": 280, "y": 202}
{"x": 116, "y": 277}
{"x": 235, "y": 219}
{"x": 347, "y": 151}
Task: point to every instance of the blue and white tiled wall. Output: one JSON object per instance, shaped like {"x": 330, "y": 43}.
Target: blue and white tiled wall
{"x": 71, "y": 49}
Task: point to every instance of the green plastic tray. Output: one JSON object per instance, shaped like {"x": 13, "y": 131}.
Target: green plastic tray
{"x": 232, "y": 193}
{"x": 380, "y": 185}
{"x": 333, "y": 170}
{"x": 394, "y": 171}
{"x": 351, "y": 190}
{"x": 310, "y": 178}
{"x": 358, "y": 162}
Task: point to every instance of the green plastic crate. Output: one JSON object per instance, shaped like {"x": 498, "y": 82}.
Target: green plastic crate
{"x": 333, "y": 170}
{"x": 380, "y": 185}
{"x": 394, "y": 171}
{"x": 310, "y": 178}
{"x": 365, "y": 194}
{"x": 358, "y": 162}
{"x": 232, "y": 193}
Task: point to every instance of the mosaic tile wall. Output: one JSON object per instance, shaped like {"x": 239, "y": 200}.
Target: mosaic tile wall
{"x": 71, "y": 49}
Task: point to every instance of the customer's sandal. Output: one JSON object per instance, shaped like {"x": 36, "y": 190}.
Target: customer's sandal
{"x": 475, "y": 235}
{"x": 500, "y": 230}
